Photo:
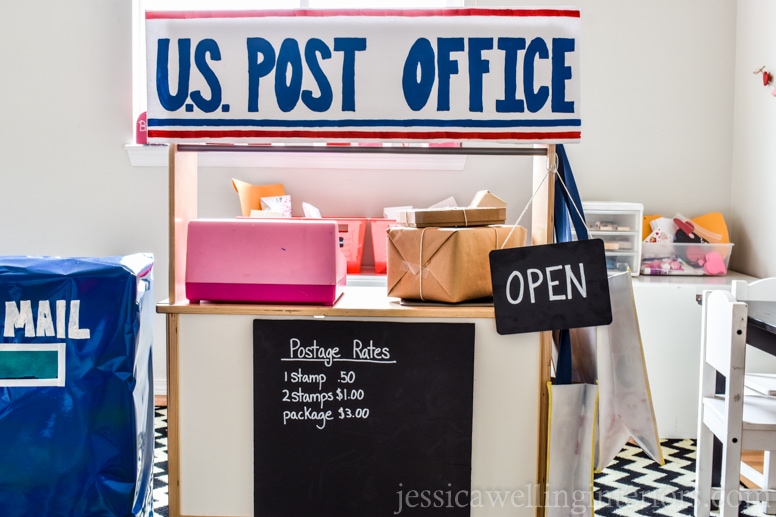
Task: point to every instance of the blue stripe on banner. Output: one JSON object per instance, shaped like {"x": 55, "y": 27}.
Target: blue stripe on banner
{"x": 173, "y": 122}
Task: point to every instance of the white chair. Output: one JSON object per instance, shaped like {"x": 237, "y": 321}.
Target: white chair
{"x": 759, "y": 383}
{"x": 738, "y": 422}
{"x": 763, "y": 290}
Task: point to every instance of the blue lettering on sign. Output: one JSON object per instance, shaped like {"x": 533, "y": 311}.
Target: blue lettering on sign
{"x": 478, "y": 67}
{"x": 258, "y": 69}
{"x": 166, "y": 99}
{"x": 447, "y": 67}
{"x": 289, "y": 72}
{"x": 419, "y": 74}
{"x": 425, "y": 67}
{"x": 349, "y": 47}
{"x": 288, "y": 89}
{"x": 205, "y": 48}
{"x": 534, "y": 99}
{"x": 510, "y": 103}
{"x": 560, "y": 74}
{"x": 312, "y": 49}
{"x": 418, "y": 77}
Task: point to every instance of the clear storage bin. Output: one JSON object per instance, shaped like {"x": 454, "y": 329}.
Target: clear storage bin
{"x": 674, "y": 258}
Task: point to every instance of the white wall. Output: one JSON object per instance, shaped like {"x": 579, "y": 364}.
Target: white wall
{"x": 754, "y": 166}
{"x": 656, "y": 103}
{"x": 67, "y": 186}
{"x": 657, "y": 91}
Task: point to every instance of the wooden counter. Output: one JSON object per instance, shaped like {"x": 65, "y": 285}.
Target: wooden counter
{"x": 210, "y": 378}
{"x": 210, "y": 397}
{"x": 356, "y": 301}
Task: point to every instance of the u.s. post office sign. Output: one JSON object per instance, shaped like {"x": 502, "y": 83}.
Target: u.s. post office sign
{"x": 488, "y": 74}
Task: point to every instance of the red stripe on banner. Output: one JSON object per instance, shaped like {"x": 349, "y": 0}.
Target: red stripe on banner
{"x": 373, "y": 135}
{"x": 178, "y": 15}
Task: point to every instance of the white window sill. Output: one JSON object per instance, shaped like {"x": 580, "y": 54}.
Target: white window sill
{"x": 158, "y": 156}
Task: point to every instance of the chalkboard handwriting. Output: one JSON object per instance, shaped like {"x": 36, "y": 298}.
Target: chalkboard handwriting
{"x": 370, "y": 352}
{"x": 308, "y": 413}
{"x": 312, "y": 352}
{"x": 305, "y": 378}
{"x": 354, "y": 394}
{"x": 535, "y": 278}
{"x": 361, "y": 353}
{"x": 301, "y": 396}
{"x": 353, "y": 413}
{"x": 311, "y": 393}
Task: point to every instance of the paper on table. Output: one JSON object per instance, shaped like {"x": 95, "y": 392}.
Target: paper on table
{"x": 392, "y": 212}
{"x": 311, "y": 211}
{"x": 250, "y": 195}
{"x": 280, "y": 204}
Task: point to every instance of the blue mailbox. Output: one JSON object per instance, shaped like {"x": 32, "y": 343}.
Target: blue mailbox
{"x": 76, "y": 386}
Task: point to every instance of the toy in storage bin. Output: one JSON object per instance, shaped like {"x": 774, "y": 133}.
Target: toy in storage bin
{"x": 674, "y": 258}
{"x": 379, "y": 227}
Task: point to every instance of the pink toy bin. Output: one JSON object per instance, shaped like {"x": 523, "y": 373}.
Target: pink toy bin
{"x": 379, "y": 227}
{"x": 351, "y": 232}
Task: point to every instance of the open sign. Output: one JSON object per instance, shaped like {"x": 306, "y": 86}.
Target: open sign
{"x": 550, "y": 287}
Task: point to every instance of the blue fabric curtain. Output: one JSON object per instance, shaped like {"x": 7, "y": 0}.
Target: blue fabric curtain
{"x": 568, "y": 212}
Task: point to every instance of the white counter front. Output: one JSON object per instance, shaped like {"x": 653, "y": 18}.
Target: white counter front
{"x": 210, "y": 401}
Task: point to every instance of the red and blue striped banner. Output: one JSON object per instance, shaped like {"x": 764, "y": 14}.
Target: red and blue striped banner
{"x": 500, "y": 74}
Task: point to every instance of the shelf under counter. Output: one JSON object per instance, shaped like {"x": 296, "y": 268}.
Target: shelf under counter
{"x": 356, "y": 301}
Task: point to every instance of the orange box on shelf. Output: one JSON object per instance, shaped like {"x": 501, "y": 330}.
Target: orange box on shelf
{"x": 379, "y": 228}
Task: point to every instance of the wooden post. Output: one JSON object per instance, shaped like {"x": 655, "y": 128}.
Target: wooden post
{"x": 173, "y": 429}
{"x": 183, "y": 208}
{"x": 542, "y": 222}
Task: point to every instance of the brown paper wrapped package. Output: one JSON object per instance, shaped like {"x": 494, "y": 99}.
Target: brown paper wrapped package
{"x": 452, "y": 217}
{"x": 445, "y": 264}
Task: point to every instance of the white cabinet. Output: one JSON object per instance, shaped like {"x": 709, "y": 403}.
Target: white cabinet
{"x": 619, "y": 226}
{"x": 670, "y": 324}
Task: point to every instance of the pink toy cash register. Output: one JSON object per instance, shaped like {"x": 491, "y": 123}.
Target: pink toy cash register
{"x": 264, "y": 261}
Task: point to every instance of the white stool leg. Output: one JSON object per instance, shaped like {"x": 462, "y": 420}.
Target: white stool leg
{"x": 769, "y": 482}
{"x": 731, "y": 478}
{"x": 703, "y": 463}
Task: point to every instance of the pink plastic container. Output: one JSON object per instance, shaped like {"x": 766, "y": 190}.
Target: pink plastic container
{"x": 265, "y": 261}
{"x": 351, "y": 236}
{"x": 351, "y": 231}
{"x": 379, "y": 228}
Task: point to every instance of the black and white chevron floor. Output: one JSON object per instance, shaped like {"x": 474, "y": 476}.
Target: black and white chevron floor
{"x": 633, "y": 485}
{"x": 160, "y": 462}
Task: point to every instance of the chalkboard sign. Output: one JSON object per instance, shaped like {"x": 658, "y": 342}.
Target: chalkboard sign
{"x": 362, "y": 418}
{"x": 550, "y": 287}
